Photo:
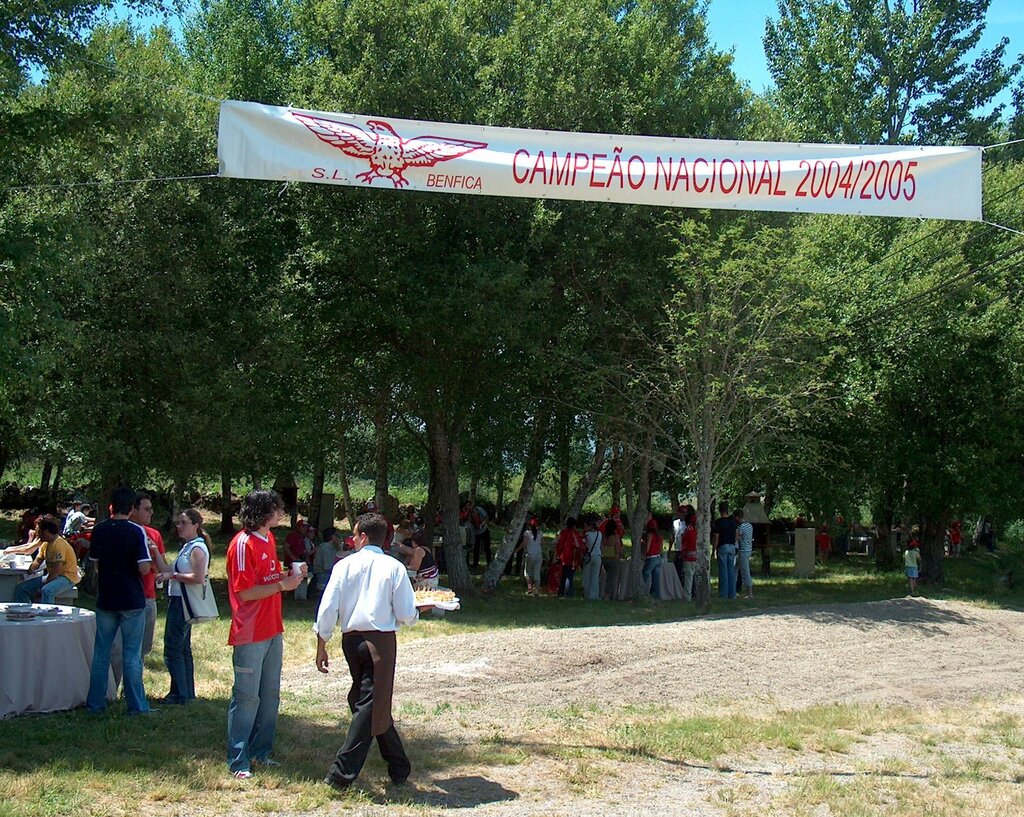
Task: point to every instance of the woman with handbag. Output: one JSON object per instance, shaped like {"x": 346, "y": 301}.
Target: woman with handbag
{"x": 190, "y": 568}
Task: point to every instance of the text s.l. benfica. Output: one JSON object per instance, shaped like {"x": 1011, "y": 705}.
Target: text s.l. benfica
{"x": 388, "y": 153}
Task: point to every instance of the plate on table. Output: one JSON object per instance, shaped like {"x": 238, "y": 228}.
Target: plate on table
{"x": 48, "y": 612}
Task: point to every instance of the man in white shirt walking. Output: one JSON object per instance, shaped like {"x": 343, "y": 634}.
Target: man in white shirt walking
{"x": 368, "y": 595}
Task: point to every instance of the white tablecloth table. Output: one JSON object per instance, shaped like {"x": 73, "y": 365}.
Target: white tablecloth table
{"x": 620, "y": 583}
{"x": 45, "y": 662}
{"x": 13, "y": 571}
{"x": 10, "y": 578}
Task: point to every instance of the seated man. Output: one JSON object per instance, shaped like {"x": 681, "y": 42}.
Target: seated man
{"x": 61, "y": 565}
{"x": 78, "y": 519}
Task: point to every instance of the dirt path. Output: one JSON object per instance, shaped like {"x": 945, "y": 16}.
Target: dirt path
{"x": 892, "y": 653}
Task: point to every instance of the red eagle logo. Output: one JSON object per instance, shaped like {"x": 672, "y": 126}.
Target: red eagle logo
{"x": 387, "y": 152}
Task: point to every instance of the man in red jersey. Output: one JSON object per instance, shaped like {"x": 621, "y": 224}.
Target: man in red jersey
{"x": 142, "y": 514}
{"x": 256, "y": 580}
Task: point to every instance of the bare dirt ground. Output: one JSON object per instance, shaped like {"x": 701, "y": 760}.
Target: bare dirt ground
{"x": 468, "y": 690}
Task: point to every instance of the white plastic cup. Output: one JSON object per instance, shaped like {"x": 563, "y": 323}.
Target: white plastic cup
{"x": 297, "y": 568}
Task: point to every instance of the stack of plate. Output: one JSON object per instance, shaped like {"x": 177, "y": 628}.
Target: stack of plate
{"x": 20, "y": 612}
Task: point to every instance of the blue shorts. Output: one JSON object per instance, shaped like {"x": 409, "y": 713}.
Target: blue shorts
{"x": 911, "y": 572}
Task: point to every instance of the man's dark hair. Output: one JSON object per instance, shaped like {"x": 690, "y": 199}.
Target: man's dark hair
{"x": 257, "y": 508}
{"x": 85, "y": 506}
{"x": 738, "y": 513}
{"x": 141, "y": 495}
{"x": 48, "y": 523}
{"x": 723, "y": 507}
{"x": 570, "y": 522}
{"x": 122, "y": 500}
{"x": 374, "y": 526}
{"x": 328, "y": 533}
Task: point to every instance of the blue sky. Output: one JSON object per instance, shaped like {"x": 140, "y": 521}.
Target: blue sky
{"x": 739, "y": 25}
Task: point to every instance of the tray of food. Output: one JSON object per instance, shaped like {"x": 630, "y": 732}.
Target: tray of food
{"x": 442, "y": 598}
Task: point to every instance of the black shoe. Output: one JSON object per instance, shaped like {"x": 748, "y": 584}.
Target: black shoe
{"x": 400, "y": 782}
{"x": 334, "y": 783}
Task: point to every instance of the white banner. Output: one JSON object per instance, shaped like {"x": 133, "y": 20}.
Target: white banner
{"x": 265, "y": 142}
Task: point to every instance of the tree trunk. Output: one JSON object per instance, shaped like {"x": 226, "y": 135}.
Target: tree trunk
{"x": 702, "y": 576}
{"x": 227, "y": 523}
{"x": 933, "y": 534}
{"x": 257, "y": 481}
{"x": 380, "y": 483}
{"x": 346, "y": 491}
{"x": 44, "y": 481}
{"x": 626, "y": 463}
{"x": 496, "y": 569}
{"x": 446, "y": 453}
{"x": 769, "y": 497}
{"x": 430, "y": 510}
{"x": 499, "y": 489}
{"x": 886, "y": 554}
{"x": 586, "y": 486}
{"x": 55, "y": 487}
{"x": 673, "y": 497}
{"x": 474, "y": 485}
{"x": 638, "y": 518}
{"x": 317, "y": 499}
{"x": 178, "y": 496}
{"x": 616, "y": 476}
{"x": 563, "y": 472}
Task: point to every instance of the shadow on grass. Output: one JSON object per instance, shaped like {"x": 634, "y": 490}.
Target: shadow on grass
{"x": 184, "y": 747}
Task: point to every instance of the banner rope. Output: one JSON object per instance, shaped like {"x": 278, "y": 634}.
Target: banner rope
{"x": 1003, "y": 227}
{"x": 134, "y": 75}
{"x": 111, "y": 181}
{"x": 1002, "y": 144}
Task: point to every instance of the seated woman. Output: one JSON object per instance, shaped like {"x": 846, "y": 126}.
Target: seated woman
{"x": 420, "y": 563}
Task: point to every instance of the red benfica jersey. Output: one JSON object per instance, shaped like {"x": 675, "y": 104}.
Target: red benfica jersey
{"x": 149, "y": 580}
{"x": 252, "y": 562}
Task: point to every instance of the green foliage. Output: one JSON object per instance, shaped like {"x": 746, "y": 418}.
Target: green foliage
{"x": 879, "y": 71}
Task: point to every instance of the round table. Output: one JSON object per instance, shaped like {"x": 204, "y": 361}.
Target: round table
{"x": 45, "y": 662}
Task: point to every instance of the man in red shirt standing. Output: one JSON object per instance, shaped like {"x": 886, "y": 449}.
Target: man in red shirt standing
{"x": 142, "y": 514}
{"x": 256, "y": 580}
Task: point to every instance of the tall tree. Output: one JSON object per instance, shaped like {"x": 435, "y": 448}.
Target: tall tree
{"x": 887, "y": 71}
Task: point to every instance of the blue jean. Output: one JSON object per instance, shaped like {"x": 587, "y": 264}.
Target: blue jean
{"x": 566, "y": 588}
{"x": 48, "y": 592}
{"x": 178, "y": 653}
{"x": 743, "y": 567}
{"x": 727, "y": 571}
{"x": 652, "y": 575}
{"x": 255, "y": 696}
{"x": 132, "y": 625}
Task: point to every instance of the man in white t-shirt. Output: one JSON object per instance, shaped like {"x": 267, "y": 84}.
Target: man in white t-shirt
{"x": 368, "y": 596}
{"x": 78, "y": 518}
